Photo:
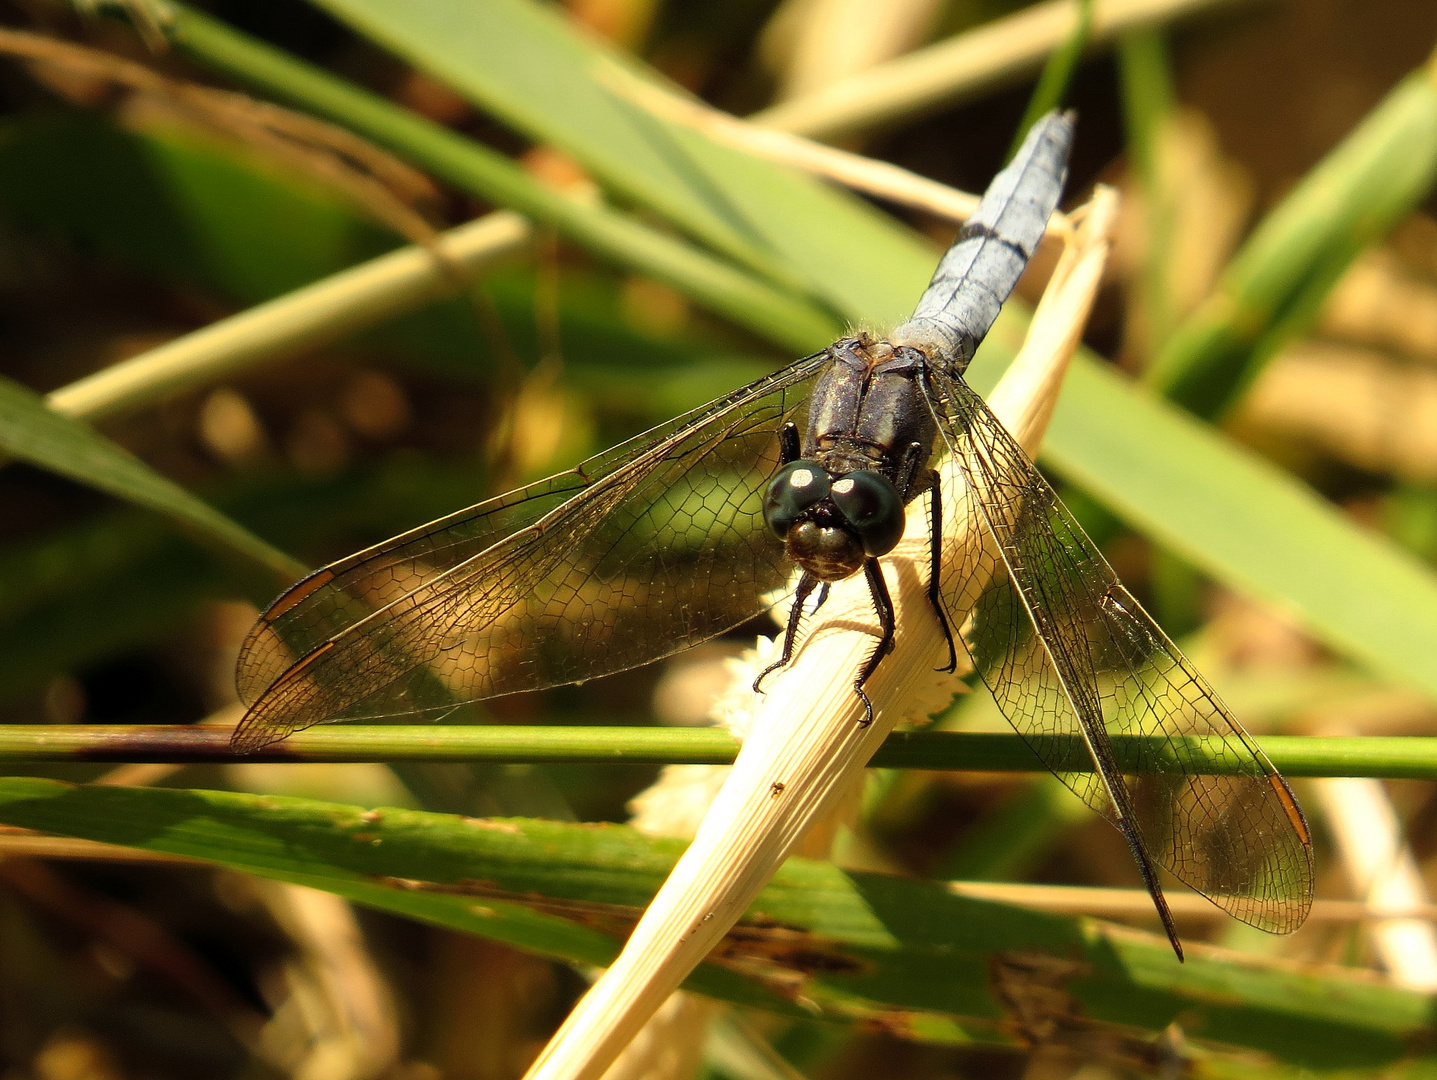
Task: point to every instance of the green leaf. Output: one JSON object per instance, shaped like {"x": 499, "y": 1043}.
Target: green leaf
{"x": 904, "y": 955}
{"x": 1274, "y": 286}
{"x": 775, "y": 312}
{"x": 1057, "y": 74}
{"x": 526, "y": 64}
{"x": 1241, "y": 519}
{"x": 31, "y": 432}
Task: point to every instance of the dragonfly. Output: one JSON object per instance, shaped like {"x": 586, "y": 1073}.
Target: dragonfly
{"x": 689, "y": 529}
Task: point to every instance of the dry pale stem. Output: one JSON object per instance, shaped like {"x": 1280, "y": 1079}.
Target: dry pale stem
{"x": 877, "y": 178}
{"x": 807, "y": 749}
{"x": 1384, "y": 874}
{"x": 808, "y": 44}
{"x": 963, "y": 65}
{"x": 1379, "y": 302}
{"x": 305, "y": 318}
{"x": 338, "y": 1021}
{"x": 1129, "y": 903}
{"x": 16, "y": 843}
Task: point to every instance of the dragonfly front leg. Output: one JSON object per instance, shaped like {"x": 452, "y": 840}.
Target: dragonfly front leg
{"x": 790, "y": 634}
{"x": 935, "y": 569}
{"x": 883, "y": 605}
{"x": 912, "y": 461}
{"x": 789, "y": 449}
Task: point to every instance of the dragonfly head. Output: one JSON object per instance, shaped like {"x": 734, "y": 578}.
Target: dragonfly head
{"x": 831, "y": 524}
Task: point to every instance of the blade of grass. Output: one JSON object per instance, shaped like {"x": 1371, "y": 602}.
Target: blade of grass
{"x": 1243, "y": 521}
{"x": 482, "y": 172}
{"x": 880, "y": 179}
{"x": 1148, "y": 99}
{"x": 1275, "y": 284}
{"x": 1148, "y": 110}
{"x": 32, "y": 433}
{"x": 522, "y": 63}
{"x": 527, "y": 65}
{"x": 908, "y": 956}
{"x": 1052, "y": 86}
{"x": 1389, "y": 757}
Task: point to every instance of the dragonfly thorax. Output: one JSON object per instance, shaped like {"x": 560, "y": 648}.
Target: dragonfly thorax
{"x": 838, "y": 500}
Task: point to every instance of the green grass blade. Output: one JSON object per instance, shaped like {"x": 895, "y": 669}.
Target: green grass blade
{"x": 526, "y": 64}
{"x": 905, "y": 955}
{"x": 1234, "y": 515}
{"x": 1148, "y": 99}
{"x": 1145, "y": 76}
{"x": 1392, "y": 757}
{"x": 1052, "y": 86}
{"x": 781, "y": 316}
{"x": 33, "y": 433}
{"x": 1275, "y": 284}
{"x": 1244, "y": 521}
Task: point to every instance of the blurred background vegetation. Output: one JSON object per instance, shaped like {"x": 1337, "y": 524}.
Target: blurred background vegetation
{"x": 1265, "y": 282}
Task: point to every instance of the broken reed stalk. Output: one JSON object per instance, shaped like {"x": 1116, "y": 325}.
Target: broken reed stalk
{"x": 806, "y": 750}
{"x": 1106, "y": 903}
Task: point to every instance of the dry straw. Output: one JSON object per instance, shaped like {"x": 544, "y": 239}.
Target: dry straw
{"x": 961, "y": 66}
{"x": 878, "y": 178}
{"x": 806, "y": 749}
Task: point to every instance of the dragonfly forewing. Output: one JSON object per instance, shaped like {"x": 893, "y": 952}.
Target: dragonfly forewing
{"x": 638, "y": 553}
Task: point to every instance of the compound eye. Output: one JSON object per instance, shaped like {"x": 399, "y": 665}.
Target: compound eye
{"x": 795, "y": 488}
{"x": 872, "y": 508}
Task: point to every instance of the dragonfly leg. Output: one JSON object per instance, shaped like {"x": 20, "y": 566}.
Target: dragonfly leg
{"x": 789, "y": 449}
{"x": 883, "y": 605}
{"x": 935, "y": 568}
{"x": 790, "y": 633}
{"x": 911, "y": 469}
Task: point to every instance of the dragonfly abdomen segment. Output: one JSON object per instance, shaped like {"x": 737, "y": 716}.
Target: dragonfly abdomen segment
{"x": 986, "y": 261}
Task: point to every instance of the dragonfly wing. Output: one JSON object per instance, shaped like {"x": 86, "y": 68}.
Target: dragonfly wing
{"x": 1069, "y": 654}
{"x": 637, "y": 553}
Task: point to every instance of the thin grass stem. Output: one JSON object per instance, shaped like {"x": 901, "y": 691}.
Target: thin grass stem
{"x": 1388, "y": 757}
